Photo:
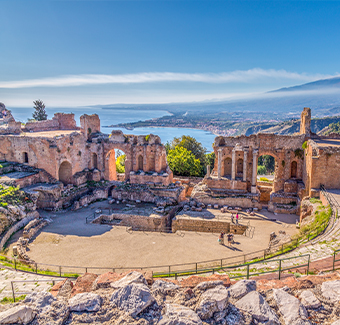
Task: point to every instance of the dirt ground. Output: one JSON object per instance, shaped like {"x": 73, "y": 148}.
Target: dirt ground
{"x": 68, "y": 240}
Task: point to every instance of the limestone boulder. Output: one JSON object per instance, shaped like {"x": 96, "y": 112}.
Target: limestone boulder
{"x": 292, "y": 311}
{"x": 17, "y": 315}
{"x": 208, "y": 285}
{"x": 331, "y": 290}
{"x": 164, "y": 287}
{"x": 40, "y": 301}
{"x": 337, "y": 322}
{"x": 133, "y": 298}
{"x": 87, "y": 301}
{"x": 241, "y": 288}
{"x": 254, "y": 304}
{"x": 211, "y": 301}
{"x": 309, "y": 300}
{"x": 132, "y": 277}
{"x": 179, "y": 315}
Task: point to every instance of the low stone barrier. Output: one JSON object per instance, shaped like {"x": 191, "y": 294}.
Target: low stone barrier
{"x": 22, "y": 223}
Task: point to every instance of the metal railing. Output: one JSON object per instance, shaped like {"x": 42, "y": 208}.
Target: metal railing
{"x": 15, "y": 292}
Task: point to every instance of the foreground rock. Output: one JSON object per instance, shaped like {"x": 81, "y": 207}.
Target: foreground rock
{"x": 164, "y": 287}
{"x": 309, "y": 300}
{"x": 87, "y": 301}
{"x": 212, "y": 300}
{"x": 331, "y": 290}
{"x": 17, "y": 315}
{"x": 241, "y": 288}
{"x": 132, "y": 277}
{"x": 41, "y": 301}
{"x": 179, "y": 315}
{"x": 254, "y": 304}
{"x": 133, "y": 298}
{"x": 292, "y": 311}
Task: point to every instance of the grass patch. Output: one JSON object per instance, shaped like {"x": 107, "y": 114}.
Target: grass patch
{"x": 315, "y": 200}
{"x": 9, "y": 300}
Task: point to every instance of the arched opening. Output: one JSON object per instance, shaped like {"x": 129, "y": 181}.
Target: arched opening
{"x": 140, "y": 162}
{"x": 116, "y": 162}
{"x": 265, "y": 177}
{"x": 94, "y": 160}
{"x": 239, "y": 167}
{"x": 293, "y": 169}
{"x": 25, "y": 157}
{"x": 227, "y": 167}
{"x": 65, "y": 173}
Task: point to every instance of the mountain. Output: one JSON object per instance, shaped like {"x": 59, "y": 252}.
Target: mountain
{"x": 323, "y": 84}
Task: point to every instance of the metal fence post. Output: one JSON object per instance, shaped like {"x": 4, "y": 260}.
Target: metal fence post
{"x": 36, "y": 268}
{"x": 221, "y": 263}
{"x": 169, "y": 270}
{"x": 196, "y": 268}
{"x": 60, "y": 271}
{"x": 15, "y": 263}
{"x": 279, "y": 269}
{"x": 248, "y": 272}
{"x": 13, "y": 291}
{"x": 308, "y": 264}
{"x": 334, "y": 260}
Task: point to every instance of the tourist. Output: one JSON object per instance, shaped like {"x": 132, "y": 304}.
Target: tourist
{"x": 230, "y": 237}
{"x": 221, "y": 238}
{"x": 237, "y": 218}
{"x": 232, "y": 218}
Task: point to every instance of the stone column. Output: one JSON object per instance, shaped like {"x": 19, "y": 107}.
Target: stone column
{"x": 254, "y": 175}
{"x": 245, "y": 161}
{"x": 208, "y": 171}
{"x": 219, "y": 161}
{"x": 233, "y": 169}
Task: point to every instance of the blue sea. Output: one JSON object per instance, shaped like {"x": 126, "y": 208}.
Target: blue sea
{"x": 116, "y": 116}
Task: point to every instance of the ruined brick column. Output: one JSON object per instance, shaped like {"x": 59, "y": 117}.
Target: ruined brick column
{"x": 254, "y": 175}
{"x": 233, "y": 169}
{"x": 208, "y": 171}
{"x": 245, "y": 160}
{"x": 219, "y": 160}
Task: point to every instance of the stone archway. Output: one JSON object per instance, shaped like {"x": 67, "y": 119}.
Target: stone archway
{"x": 65, "y": 173}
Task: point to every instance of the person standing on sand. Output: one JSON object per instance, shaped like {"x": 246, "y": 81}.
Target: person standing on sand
{"x": 230, "y": 237}
{"x": 221, "y": 238}
{"x": 232, "y": 218}
{"x": 237, "y": 218}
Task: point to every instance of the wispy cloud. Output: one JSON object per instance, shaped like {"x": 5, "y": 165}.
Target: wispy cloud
{"x": 241, "y": 76}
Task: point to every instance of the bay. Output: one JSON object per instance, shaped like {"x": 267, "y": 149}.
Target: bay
{"x": 117, "y": 116}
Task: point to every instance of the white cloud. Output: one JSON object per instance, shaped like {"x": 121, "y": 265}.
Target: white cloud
{"x": 242, "y": 76}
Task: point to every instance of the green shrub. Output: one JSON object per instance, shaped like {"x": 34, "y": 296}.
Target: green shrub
{"x": 264, "y": 179}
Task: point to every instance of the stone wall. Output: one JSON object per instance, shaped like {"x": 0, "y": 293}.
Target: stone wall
{"x": 60, "y": 121}
{"x": 199, "y": 225}
{"x": 136, "y": 222}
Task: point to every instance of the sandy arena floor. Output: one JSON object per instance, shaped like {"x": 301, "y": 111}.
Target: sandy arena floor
{"x": 68, "y": 240}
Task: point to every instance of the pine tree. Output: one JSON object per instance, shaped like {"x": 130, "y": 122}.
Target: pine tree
{"x": 40, "y": 113}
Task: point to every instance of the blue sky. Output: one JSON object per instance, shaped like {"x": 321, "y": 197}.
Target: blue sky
{"x": 71, "y": 53}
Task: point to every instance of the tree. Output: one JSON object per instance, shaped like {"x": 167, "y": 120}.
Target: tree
{"x": 268, "y": 162}
{"x": 210, "y": 159}
{"x": 120, "y": 163}
{"x": 192, "y": 145}
{"x": 183, "y": 163}
{"x": 40, "y": 113}
{"x": 261, "y": 170}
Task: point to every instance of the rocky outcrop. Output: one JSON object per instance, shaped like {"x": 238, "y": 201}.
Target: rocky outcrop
{"x": 292, "y": 311}
{"x": 179, "y": 315}
{"x": 171, "y": 302}
{"x": 86, "y": 301}
{"x": 133, "y": 298}
{"x": 254, "y": 304}
{"x": 17, "y": 315}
